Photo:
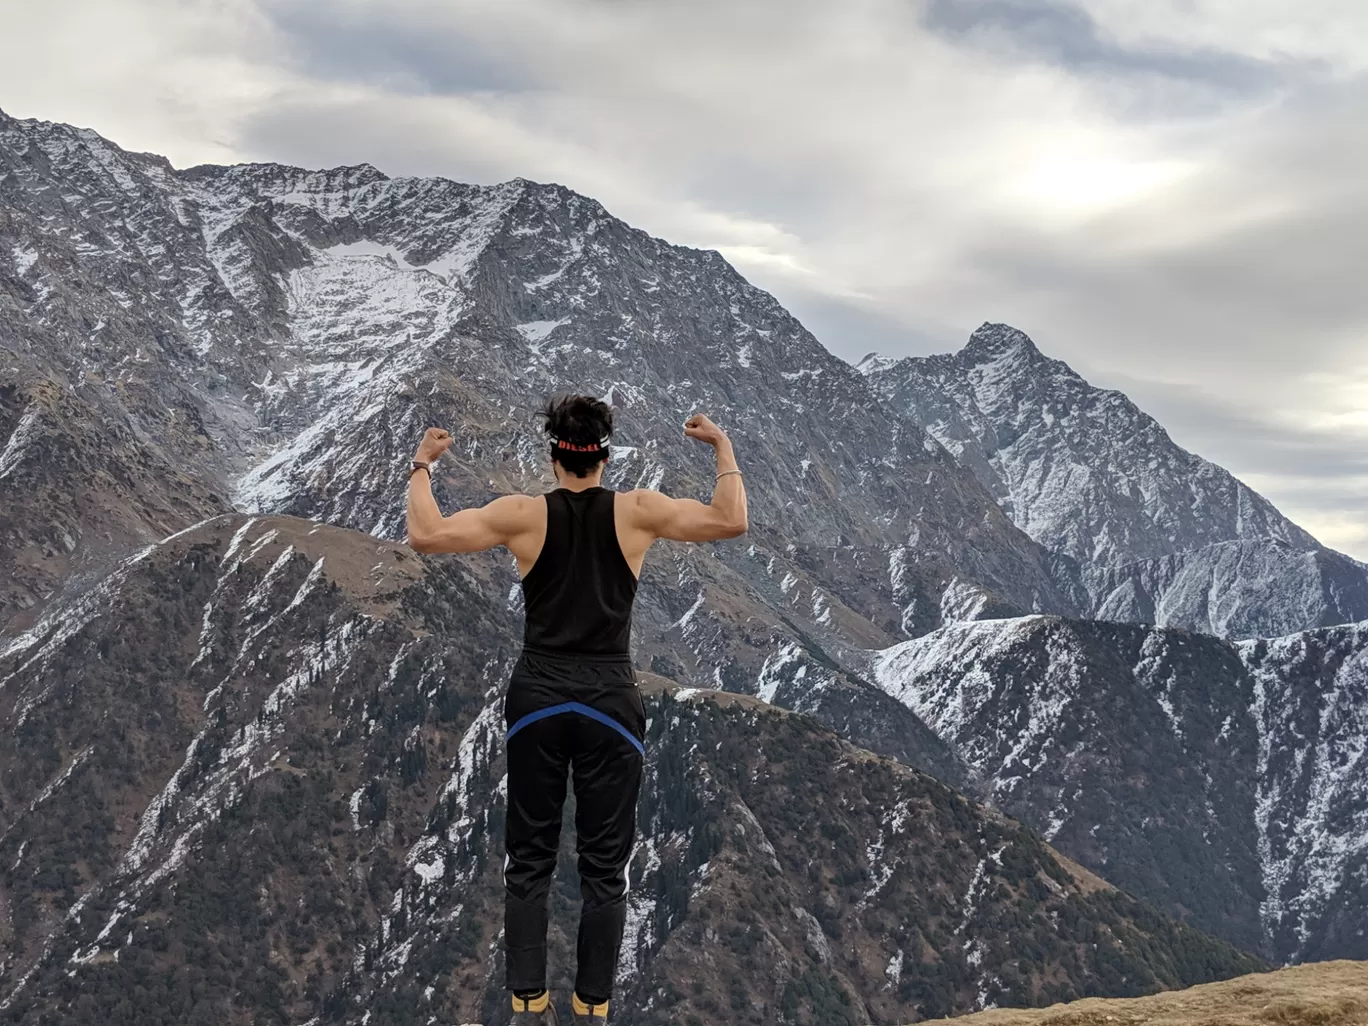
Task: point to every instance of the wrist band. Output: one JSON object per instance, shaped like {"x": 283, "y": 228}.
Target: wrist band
{"x": 725, "y": 473}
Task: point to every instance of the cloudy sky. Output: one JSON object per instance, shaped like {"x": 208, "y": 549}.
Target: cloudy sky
{"x": 1172, "y": 195}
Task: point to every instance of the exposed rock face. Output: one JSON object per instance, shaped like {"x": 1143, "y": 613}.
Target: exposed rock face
{"x": 1222, "y": 782}
{"x": 289, "y": 809}
{"x": 1160, "y": 535}
{"x": 1311, "y": 704}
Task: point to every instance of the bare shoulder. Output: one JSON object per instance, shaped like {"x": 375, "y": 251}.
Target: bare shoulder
{"x": 516, "y": 509}
{"x": 643, "y": 501}
{"x": 517, "y": 500}
{"x": 654, "y": 511}
{"x": 636, "y": 496}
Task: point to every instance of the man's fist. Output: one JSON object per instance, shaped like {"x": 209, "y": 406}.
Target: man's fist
{"x": 435, "y": 442}
{"x": 700, "y": 427}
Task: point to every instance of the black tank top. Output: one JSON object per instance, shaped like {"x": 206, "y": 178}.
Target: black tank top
{"x": 578, "y": 595}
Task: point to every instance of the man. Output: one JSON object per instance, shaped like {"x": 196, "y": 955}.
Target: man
{"x": 572, "y": 703}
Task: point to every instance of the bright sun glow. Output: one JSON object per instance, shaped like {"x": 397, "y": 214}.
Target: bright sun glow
{"x": 1091, "y": 184}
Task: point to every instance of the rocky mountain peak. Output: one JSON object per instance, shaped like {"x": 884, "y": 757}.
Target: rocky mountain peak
{"x": 282, "y": 182}
{"x": 993, "y": 341}
{"x": 875, "y": 363}
{"x": 1157, "y": 530}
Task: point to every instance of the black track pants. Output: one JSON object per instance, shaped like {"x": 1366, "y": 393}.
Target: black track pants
{"x": 592, "y": 732}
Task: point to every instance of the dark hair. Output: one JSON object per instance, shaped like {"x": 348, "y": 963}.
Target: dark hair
{"x": 580, "y": 421}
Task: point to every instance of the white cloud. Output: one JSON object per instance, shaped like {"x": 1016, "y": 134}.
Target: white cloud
{"x": 1334, "y": 31}
{"x": 155, "y": 75}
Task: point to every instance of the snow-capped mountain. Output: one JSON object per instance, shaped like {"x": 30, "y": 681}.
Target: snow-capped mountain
{"x": 178, "y": 347}
{"x": 282, "y": 337}
{"x": 1223, "y": 781}
{"x": 1161, "y": 535}
{"x": 289, "y": 809}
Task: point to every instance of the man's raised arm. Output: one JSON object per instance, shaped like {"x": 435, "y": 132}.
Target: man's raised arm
{"x": 467, "y": 530}
{"x": 690, "y": 520}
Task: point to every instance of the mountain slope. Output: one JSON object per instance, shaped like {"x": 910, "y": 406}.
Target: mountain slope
{"x": 289, "y": 810}
{"x": 1133, "y": 751}
{"x": 281, "y": 338}
{"x": 1222, "y": 782}
{"x": 1162, "y": 536}
{"x": 1311, "y": 703}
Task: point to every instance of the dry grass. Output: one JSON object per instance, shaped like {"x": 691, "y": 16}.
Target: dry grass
{"x": 1324, "y": 994}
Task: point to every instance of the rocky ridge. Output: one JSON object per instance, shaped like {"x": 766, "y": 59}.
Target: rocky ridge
{"x": 1159, "y": 535}
{"x": 1222, "y": 781}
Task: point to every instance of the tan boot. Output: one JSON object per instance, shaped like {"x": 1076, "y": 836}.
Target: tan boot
{"x": 587, "y": 1014}
{"x": 537, "y": 1011}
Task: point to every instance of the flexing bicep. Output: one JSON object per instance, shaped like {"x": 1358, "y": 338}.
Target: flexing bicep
{"x": 686, "y": 520}
{"x": 477, "y": 529}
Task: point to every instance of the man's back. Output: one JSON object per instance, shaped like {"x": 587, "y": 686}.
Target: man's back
{"x": 578, "y": 595}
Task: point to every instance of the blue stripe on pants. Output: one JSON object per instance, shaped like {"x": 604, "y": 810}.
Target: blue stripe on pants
{"x": 583, "y": 710}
